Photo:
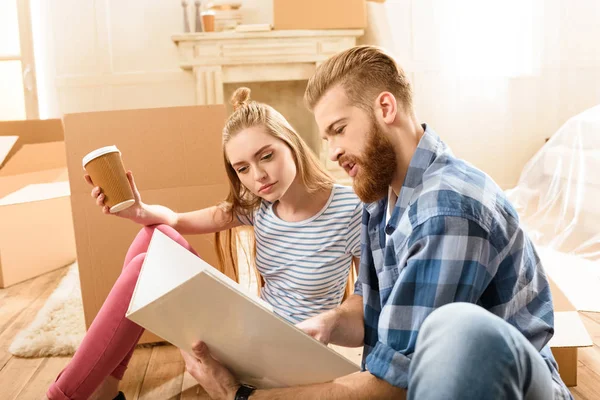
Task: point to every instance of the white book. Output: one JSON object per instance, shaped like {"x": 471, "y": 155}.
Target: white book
{"x": 182, "y": 299}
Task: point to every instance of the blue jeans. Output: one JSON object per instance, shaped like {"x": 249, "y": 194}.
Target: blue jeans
{"x": 465, "y": 352}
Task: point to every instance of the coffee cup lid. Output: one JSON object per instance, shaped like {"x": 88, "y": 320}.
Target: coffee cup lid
{"x": 99, "y": 152}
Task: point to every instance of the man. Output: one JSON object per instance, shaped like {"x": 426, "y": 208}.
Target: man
{"x": 451, "y": 300}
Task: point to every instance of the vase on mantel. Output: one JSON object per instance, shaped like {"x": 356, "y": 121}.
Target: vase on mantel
{"x": 186, "y": 20}
{"x": 198, "y": 18}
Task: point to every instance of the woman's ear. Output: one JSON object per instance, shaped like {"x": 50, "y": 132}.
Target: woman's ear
{"x": 387, "y": 106}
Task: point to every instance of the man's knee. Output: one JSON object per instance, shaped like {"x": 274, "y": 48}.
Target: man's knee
{"x": 463, "y": 321}
{"x": 464, "y": 336}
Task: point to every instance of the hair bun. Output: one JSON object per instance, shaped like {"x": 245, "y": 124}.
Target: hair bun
{"x": 240, "y": 97}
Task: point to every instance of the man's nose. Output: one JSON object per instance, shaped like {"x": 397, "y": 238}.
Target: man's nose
{"x": 335, "y": 153}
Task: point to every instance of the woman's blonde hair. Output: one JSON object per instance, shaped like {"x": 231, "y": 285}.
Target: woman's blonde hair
{"x": 241, "y": 201}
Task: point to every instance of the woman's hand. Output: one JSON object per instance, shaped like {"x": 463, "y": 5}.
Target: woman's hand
{"x": 135, "y": 212}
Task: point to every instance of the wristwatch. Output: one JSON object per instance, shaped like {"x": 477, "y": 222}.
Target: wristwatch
{"x": 244, "y": 392}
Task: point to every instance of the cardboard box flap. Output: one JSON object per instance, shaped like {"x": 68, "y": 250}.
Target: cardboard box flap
{"x": 6, "y": 145}
{"x": 32, "y": 131}
{"x": 9, "y": 184}
{"x": 36, "y": 157}
{"x": 569, "y": 331}
{"x": 37, "y": 192}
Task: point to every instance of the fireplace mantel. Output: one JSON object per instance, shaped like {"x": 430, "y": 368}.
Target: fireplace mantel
{"x": 217, "y": 58}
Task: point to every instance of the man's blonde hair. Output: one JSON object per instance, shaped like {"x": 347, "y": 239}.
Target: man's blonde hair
{"x": 364, "y": 72}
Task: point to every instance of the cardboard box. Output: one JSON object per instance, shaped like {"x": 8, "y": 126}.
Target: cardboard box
{"x": 569, "y": 335}
{"x": 176, "y": 158}
{"x": 36, "y": 233}
{"x": 32, "y": 132}
{"x": 192, "y": 301}
{"x": 319, "y": 14}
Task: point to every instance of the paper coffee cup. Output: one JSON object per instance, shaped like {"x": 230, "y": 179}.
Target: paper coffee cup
{"x": 208, "y": 21}
{"x": 105, "y": 167}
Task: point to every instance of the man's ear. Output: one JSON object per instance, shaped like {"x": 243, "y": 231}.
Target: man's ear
{"x": 387, "y": 107}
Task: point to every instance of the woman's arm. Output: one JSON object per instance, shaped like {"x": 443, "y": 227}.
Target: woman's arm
{"x": 208, "y": 220}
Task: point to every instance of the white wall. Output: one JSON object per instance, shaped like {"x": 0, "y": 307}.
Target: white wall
{"x": 100, "y": 55}
{"x": 493, "y": 82}
{"x": 105, "y": 54}
{"x": 495, "y": 79}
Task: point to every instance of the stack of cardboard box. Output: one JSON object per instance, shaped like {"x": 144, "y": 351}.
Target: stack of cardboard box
{"x": 36, "y": 230}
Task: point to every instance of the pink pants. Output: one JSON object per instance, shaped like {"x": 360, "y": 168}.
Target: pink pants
{"x": 109, "y": 343}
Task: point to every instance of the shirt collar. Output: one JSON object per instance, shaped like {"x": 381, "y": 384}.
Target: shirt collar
{"x": 429, "y": 147}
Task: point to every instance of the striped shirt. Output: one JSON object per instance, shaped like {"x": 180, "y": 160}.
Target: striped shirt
{"x": 305, "y": 264}
{"x": 452, "y": 237}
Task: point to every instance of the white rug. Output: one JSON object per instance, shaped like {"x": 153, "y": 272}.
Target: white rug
{"x": 59, "y": 326}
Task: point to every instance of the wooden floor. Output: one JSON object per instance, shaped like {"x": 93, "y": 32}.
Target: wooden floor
{"x": 158, "y": 372}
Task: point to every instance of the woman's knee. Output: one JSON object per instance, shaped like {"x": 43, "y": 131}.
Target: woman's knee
{"x": 170, "y": 232}
{"x": 166, "y": 229}
{"x": 142, "y": 241}
{"x": 134, "y": 266}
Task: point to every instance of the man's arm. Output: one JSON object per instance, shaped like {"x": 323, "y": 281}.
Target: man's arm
{"x": 357, "y": 386}
{"x": 349, "y": 326}
{"x": 220, "y": 384}
{"x": 343, "y": 325}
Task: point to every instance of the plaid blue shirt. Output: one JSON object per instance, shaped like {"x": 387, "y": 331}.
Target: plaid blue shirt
{"x": 452, "y": 237}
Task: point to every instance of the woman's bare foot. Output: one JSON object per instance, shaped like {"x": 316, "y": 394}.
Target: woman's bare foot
{"x": 108, "y": 390}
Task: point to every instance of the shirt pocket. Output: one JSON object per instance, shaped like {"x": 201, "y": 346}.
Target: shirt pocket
{"x": 393, "y": 262}
{"x": 387, "y": 279}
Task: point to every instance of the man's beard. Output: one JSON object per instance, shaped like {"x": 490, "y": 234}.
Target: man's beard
{"x": 376, "y": 167}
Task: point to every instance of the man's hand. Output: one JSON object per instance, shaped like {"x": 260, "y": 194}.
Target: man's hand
{"x": 343, "y": 326}
{"x": 218, "y": 382}
{"x": 320, "y": 326}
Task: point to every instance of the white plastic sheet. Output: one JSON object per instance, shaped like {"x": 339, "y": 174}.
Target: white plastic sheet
{"x": 558, "y": 194}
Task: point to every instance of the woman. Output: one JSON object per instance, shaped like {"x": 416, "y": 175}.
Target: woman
{"x": 307, "y": 232}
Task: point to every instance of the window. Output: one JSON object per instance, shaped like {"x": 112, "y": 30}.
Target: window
{"x": 18, "y": 95}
